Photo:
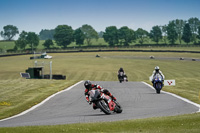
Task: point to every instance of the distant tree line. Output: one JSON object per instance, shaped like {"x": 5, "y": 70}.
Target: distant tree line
{"x": 63, "y": 35}
{"x": 187, "y": 31}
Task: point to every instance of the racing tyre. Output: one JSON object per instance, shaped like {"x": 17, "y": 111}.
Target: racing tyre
{"x": 158, "y": 88}
{"x": 158, "y": 91}
{"x": 104, "y": 107}
{"x": 118, "y": 108}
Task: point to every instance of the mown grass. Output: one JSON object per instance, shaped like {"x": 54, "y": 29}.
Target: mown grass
{"x": 19, "y": 94}
{"x": 8, "y": 45}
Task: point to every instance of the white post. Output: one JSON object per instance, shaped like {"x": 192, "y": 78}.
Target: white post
{"x": 50, "y": 69}
{"x": 35, "y": 63}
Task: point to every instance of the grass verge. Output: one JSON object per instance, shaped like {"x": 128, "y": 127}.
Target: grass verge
{"x": 174, "y": 124}
{"x": 19, "y": 94}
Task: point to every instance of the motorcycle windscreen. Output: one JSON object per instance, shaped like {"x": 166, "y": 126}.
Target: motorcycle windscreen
{"x": 94, "y": 95}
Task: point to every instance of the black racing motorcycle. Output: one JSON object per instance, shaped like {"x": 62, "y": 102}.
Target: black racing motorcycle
{"x": 122, "y": 77}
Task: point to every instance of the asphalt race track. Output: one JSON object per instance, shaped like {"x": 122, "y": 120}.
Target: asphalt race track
{"x": 137, "y": 99}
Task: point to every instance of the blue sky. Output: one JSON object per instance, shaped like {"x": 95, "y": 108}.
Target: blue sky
{"x": 34, "y": 15}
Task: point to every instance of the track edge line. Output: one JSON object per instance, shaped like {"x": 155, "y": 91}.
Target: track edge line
{"x": 41, "y": 103}
{"x": 179, "y": 97}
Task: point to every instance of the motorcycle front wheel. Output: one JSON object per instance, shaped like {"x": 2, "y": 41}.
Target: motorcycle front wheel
{"x": 118, "y": 108}
{"x": 158, "y": 88}
{"x": 104, "y": 107}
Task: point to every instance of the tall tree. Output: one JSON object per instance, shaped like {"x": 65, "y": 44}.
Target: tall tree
{"x": 171, "y": 32}
{"x": 9, "y": 32}
{"x": 141, "y": 35}
{"x": 63, "y": 35}
{"x": 194, "y": 24}
{"x": 33, "y": 40}
{"x": 156, "y": 34}
{"x": 179, "y": 25}
{"x": 187, "y": 34}
{"x": 46, "y": 34}
{"x": 111, "y": 35}
{"x": 22, "y": 41}
{"x": 89, "y": 33}
{"x": 126, "y": 35}
{"x": 48, "y": 43}
{"x": 164, "y": 33}
{"x": 199, "y": 32}
{"x": 79, "y": 36}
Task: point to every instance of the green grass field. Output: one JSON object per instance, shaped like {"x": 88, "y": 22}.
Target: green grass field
{"x": 8, "y": 45}
{"x": 19, "y": 94}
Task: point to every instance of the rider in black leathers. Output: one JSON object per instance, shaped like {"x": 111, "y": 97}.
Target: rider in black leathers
{"x": 89, "y": 86}
{"x": 122, "y": 70}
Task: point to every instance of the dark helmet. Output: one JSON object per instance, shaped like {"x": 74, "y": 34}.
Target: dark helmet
{"x": 157, "y": 68}
{"x": 121, "y": 69}
{"x": 87, "y": 84}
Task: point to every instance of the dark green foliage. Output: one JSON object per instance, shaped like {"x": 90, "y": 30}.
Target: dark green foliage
{"x": 187, "y": 34}
{"x": 179, "y": 25}
{"x": 171, "y": 33}
{"x": 46, "y": 34}
{"x": 164, "y": 33}
{"x": 21, "y": 42}
{"x": 111, "y": 35}
{"x": 156, "y": 34}
{"x": 63, "y": 35}
{"x": 27, "y": 38}
{"x": 194, "y": 24}
{"x": 126, "y": 35}
{"x": 48, "y": 43}
{"x": 199, "y": 32}
{"x": 89, "y": 33}
{"x": 9, "y": 32}
{"x": 32, "y": 40}
{"x": 79, "y": 37}
{"x": 141, "y": 35}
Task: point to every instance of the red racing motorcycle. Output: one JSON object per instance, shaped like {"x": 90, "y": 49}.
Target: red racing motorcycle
{"x": 104, "y": 102}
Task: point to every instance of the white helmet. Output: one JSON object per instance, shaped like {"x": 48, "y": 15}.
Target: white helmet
{"x": 157, "y": 68}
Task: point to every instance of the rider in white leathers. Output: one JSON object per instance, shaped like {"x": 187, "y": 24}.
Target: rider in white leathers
{"x": 157, "y": 70}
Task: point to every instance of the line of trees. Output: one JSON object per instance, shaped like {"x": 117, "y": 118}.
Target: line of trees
{"x": 27, "y": 38}
{"x": 181, "y": 30}
{"x": 187, "y": 31}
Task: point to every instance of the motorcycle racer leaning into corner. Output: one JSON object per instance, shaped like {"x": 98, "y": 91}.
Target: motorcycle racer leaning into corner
{"x": 157, "y": 70}
{"x": 89, "y": 86}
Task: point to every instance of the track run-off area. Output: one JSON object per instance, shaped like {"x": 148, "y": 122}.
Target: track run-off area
{"x": 138, "y": 100}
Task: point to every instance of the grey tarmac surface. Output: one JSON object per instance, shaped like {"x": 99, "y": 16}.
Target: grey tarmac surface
{"x": 137, "y": 99}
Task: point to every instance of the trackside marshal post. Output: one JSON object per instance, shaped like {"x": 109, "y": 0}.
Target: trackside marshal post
{"x": 169, "y": 82}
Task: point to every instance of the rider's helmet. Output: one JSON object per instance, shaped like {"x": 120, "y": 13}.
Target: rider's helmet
{"x": 121, "y": 69}
{"x": 87, "y": 84}
{"x": 157, "y": 68}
